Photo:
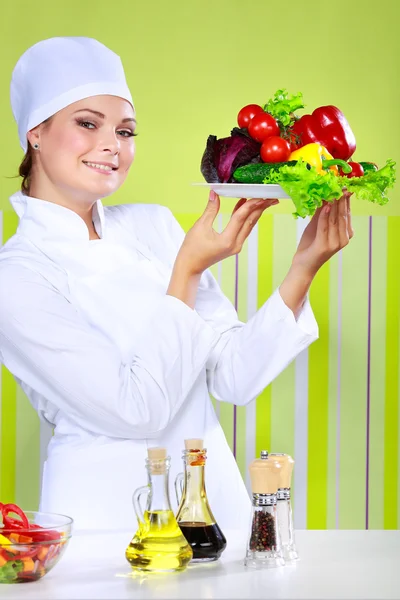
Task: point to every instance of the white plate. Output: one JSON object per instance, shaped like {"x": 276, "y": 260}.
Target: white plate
{"x": 246, "y": 190}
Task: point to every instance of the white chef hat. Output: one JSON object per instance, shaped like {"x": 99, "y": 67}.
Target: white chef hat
{"x": 58, "y": 71}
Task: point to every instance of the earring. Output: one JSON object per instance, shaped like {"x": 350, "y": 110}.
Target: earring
{"x": 36, "y": 146}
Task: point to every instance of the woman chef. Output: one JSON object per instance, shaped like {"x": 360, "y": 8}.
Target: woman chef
{"x": 109, "y": 318}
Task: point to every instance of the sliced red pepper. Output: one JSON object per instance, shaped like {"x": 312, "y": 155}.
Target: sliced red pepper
{"x": 4, "y": 554}
{"x": 13, "y": 508}
{"x": 328, "y": 126}
{"x": 28, "y": 553}
{"x": 41, "y": 535}
{"x": 13, "y": 524}
{"x": 36, "y": 532}
{"x": 17, "y": 525}
{"x": 45, "y": 536}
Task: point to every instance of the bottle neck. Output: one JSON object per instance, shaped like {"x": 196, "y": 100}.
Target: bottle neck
{"x": 159, "y": 491}
{"x": 194, "y": 505}
{"x": 195, "y": 488}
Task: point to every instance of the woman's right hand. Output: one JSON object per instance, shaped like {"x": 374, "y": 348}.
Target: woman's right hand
{"x": 204, "y": 247}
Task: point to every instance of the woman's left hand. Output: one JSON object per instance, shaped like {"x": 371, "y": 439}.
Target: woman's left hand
{"x": 329, "y": 231}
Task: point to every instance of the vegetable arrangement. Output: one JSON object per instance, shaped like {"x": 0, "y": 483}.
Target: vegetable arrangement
{"x": 309, "y": 156}
{"x": 27, "y": 550}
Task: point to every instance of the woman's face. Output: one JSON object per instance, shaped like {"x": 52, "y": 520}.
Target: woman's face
{"x": 86, "y": 149}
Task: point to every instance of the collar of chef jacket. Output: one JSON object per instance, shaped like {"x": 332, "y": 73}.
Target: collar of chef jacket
{"x": 51, "y": 222}
{"x": 63, "y": 237}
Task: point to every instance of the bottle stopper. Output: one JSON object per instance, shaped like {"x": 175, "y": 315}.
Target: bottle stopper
{"x": 156, "y": 460}
{"x": 157, "y": 453}
{"x": 264, "y": 474}
{"x": 194, "y": 444}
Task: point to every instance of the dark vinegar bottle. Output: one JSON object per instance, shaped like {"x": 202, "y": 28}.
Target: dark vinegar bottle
{"x": 194, "y": 516}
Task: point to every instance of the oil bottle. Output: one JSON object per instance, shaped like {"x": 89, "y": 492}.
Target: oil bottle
{"x": 158, "y": 544}
{"x": 194, "y": 516}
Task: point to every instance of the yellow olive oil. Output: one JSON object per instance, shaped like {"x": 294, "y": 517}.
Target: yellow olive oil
{"x": 159, "y": 544}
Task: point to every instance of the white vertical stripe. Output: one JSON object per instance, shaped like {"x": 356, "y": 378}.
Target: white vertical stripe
{"x": 252, "y": 270}
{"x": 398, "y": 450}
{"x": 219, "y": 279}
{"x": 301, "y": 426}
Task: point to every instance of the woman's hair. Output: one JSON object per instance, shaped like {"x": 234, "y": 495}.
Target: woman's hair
{"x": 25, "y": 169}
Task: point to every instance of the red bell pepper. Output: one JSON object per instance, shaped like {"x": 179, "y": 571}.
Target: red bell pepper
{"x": 328, "y": 126}
{"x": 36, "y": 532}
{"x": 27, "y": 551}
{"x": 10, "y": 523}
{"x": 45, "y": 536}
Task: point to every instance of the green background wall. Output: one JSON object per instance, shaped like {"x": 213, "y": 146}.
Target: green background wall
{"x": 191, "y": 66}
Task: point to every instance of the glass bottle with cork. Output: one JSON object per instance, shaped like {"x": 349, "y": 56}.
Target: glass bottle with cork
{"x": 194, "y": 515}
{"x": 264, "y": 547}
{"x": 284, "y": 506}
{"x": 158, "y": 544}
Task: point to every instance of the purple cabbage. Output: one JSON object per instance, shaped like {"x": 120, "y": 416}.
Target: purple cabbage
{"x": 222, "y": 157}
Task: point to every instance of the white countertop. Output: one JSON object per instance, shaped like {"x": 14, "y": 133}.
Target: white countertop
{"x": 333, "y": 564}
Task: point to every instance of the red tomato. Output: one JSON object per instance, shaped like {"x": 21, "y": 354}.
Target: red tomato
{"x": 263, "y": 126}
{"x": 275, "y": 149}
{"x": 247, "y": 113}
{"x": 356, "y": 170}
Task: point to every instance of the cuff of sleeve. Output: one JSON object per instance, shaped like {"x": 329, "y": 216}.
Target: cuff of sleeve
{"x": 305, "y": 321}
{"x": 178, "y": 309}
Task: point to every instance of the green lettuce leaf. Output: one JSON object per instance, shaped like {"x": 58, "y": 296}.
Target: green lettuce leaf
{"x": 281, "y": 106}
{"x": 9, "y": 572}
{"x": 308, "y": 189}
{"x": 372, "y": 186}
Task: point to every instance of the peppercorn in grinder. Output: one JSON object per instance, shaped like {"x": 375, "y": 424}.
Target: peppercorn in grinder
{"x": 264, "y": 544}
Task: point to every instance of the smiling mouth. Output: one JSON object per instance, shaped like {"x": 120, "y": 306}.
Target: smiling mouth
{"x": 100, "y": 166}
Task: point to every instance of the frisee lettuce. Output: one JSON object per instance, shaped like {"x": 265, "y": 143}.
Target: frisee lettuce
{"x": 308, "y": 188}
{"x": 282, "y": 106}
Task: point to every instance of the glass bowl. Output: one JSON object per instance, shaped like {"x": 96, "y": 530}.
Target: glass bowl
{"x": 28, "y": 554}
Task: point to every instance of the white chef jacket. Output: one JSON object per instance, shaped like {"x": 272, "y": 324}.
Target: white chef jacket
{"x": 117, "y": 365}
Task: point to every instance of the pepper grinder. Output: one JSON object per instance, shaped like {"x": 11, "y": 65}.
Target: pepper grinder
{"x": 284, "y": 507}
{"x": 264, "y": 546}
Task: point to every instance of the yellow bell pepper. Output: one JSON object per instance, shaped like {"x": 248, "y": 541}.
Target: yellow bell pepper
{"x": 317, "y": 156}
{"x": 4, "y": 541}
{"x": 29, "y": 564}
